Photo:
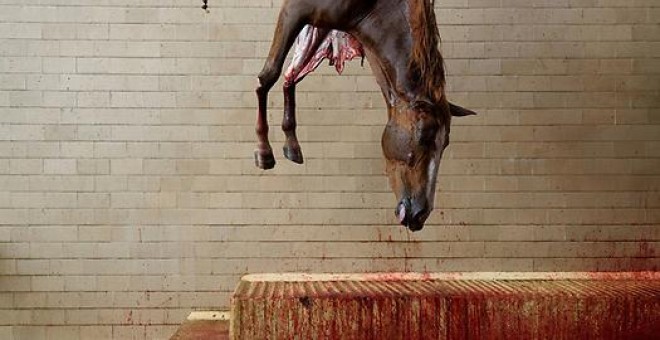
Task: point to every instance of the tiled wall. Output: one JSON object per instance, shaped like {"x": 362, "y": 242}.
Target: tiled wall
{"x": 129, "y": 196}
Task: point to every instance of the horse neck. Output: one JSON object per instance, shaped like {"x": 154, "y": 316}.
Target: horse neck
{"x": 404, "y": 53}
{"x": 426, "y": 64}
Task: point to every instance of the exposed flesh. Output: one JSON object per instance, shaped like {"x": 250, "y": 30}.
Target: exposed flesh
{"x": 314, "y": 44}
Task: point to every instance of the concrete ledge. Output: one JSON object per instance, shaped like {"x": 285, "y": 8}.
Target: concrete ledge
{"x": 209, "y": 316}
{"x": 447, "y": 306}
{"x": 204, "y": 325}
{"x": 484, "y": 276}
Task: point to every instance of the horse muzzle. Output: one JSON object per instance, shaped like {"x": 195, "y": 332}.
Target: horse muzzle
{"x": 412, "y": 214}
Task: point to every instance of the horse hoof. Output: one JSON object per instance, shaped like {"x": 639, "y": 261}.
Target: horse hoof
{"x": 293, "y": 154}
{"x": 264, "y": 160}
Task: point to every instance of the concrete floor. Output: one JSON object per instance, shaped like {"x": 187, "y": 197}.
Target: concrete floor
{"x": 202, "y": 330}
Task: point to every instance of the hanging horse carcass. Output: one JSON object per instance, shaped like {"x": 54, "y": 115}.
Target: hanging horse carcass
{"x": 400, "y": 40}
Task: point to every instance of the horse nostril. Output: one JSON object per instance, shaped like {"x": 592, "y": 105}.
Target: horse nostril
{"x": 420, "y": 215}
{"x": 416, "y": 223}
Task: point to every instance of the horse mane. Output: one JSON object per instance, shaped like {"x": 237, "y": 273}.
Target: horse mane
{"x": 426, "y": 63}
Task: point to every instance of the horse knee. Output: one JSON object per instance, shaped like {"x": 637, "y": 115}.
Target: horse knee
{"x": 267, "y": 78}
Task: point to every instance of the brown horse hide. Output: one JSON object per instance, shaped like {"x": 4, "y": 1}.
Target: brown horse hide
{"x": 400, "y": 40}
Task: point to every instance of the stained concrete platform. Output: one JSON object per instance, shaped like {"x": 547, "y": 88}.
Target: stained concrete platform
{"x": 448, "y": 306}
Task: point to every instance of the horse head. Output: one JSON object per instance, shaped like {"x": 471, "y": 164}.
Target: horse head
{"x": 413, "y": 142}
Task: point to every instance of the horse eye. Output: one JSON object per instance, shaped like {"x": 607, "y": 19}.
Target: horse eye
{"x": 410, "y": 159}
{"x": 427, "y": 135}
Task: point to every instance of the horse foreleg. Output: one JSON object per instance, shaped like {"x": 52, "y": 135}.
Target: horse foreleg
{"x": 291, "y": 147}
{"x": 288, "y": 26}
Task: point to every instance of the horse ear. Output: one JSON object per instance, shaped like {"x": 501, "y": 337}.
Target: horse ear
{"x": 458, "y": 111}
